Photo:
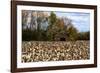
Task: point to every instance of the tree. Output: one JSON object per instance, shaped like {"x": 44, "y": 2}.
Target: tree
{"x": 72, "y": 33}
{"x": 41, "y": 18}
{"x": 32, "y": 22}
{"x": 24, "y": 18}
{"x": 51, "y": 27}
{"x": 84, "y": 35}
{"x": 52, "y": 18}
{"x": 61, "y": 27}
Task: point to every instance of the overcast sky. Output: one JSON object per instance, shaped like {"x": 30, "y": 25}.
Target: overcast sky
{"x": 80, "y": 20}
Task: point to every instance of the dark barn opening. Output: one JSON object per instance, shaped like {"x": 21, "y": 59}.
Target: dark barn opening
{"x": 62, "y": 39}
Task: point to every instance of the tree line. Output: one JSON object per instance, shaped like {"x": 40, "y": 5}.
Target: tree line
{"x": 39, "y": 26}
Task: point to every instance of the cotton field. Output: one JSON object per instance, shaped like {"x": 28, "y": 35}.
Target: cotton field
{"x": 35, "y": 51}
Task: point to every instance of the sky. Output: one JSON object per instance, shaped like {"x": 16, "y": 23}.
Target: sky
{"x": 80, "y": 20}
